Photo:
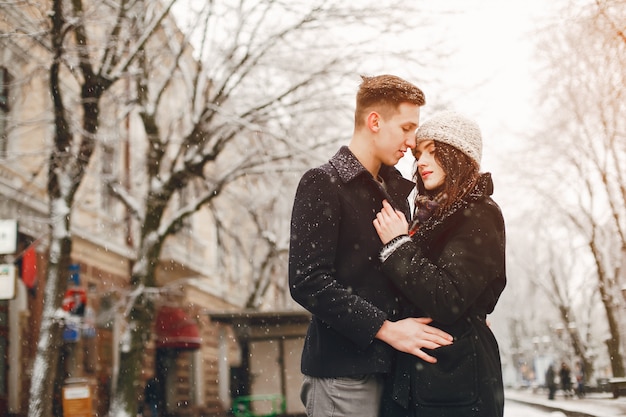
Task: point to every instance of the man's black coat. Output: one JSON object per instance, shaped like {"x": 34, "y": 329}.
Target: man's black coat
{"x": 334, "y": 266}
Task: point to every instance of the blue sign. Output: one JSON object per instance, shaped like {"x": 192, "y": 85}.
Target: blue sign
{"x": 71, "y": 331}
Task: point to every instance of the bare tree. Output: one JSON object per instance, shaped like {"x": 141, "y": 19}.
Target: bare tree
{"x": 78, "y": 80}
{"x": 563, "y": 283}
{"x": 262, "y": 89}
{"x": 265, "y": 244}
{"x": 550, "y": 305}
{"x": 583, "y": 137}
{"x": 245, "y": 89}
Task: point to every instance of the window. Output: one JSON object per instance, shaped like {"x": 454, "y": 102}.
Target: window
{"x": 4, "y": 89}
{"x": 106, "y": 173}
{"x": 4, "y": 109}
{"x": 186, "y": 197}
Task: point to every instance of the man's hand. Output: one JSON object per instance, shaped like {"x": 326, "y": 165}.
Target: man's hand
{"x": 412, "y": 334}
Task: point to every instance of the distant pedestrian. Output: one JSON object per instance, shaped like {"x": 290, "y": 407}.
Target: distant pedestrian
{"x": 566, "y": 380}
{"x": 551, "y": 382}
{"x": 580, "y": 380}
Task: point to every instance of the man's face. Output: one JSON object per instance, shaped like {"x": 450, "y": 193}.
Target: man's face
{"x": 396, "y": 133}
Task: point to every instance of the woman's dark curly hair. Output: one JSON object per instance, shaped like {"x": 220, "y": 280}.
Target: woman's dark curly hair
{"x": 461, "y": 171}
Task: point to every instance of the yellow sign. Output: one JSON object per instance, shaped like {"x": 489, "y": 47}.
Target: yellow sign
{"x": 77, "y": 401}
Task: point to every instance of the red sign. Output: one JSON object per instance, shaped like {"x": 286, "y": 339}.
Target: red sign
{"x": 75, "y": 300}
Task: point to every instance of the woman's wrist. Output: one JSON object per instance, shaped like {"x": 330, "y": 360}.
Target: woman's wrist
{"x": 392, "y": 245}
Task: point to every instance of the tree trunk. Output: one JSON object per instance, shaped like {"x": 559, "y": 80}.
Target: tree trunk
{"x": 132, "y": 346}
{"x": 613, "y": 344}
{"x": 132, "y": 355}
{"x": 43, "y": 388}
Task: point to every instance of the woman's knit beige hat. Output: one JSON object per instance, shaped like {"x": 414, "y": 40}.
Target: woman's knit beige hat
{"x": 455, "y": 130}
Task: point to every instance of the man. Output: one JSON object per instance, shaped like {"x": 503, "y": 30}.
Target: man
{"x": 334, "y": 269}
{"x": 551, "y": 381}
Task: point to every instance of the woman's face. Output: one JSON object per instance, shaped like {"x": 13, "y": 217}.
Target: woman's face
{"x": 427, "y": 166}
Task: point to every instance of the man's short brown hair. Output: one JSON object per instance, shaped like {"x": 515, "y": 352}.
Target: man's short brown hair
{"x": 386, "y": 92}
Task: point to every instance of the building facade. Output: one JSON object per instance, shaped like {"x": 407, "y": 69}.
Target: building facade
{"x": 191, "y": 354}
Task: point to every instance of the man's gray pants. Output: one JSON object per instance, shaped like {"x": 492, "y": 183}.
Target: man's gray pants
{"x": 342, "y": 396}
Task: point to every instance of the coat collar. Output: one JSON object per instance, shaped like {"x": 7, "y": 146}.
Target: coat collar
{"x": 482, "y": 189}
{"x": 347, "y": 165}
{"x": 348, "y": 168}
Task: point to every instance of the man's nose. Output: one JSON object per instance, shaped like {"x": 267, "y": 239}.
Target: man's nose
{"x": 410, "y": 141}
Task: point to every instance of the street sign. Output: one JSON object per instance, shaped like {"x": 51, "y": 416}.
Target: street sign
{"x": 71, "y": 330}
{"x": 8, "y": 282}
{"x": 8, "y": 237}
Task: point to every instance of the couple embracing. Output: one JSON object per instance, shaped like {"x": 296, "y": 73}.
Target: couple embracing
{"x": 398, "y": 299}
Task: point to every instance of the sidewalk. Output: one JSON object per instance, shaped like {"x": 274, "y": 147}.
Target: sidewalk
{"x": 593, "y": 405}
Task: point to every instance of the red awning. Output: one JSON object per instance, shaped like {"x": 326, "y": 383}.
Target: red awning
{"x": 29, "y": 267}
{"x": 175, "y": 330}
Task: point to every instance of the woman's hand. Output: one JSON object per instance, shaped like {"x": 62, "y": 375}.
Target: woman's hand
{"x": 390, "y": 223}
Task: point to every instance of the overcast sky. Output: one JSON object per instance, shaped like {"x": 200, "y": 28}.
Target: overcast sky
{"x": 490, "y": 76}
{"x": 493, "y": 78}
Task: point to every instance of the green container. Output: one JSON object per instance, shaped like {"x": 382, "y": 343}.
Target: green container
{"x": 273, "y": 404}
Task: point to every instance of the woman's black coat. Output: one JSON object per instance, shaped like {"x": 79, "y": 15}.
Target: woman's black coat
{"x": 453, "y": 270}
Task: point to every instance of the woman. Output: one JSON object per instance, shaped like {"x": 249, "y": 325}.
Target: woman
{"x": 450, "y": 265}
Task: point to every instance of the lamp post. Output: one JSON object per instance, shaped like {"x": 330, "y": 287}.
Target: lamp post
{"x": 559, "y": 330}
{"x": 542, "y": 358}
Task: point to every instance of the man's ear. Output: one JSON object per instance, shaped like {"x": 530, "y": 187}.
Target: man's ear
{"x": 373, "y": 122}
